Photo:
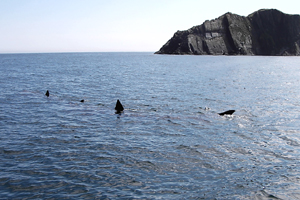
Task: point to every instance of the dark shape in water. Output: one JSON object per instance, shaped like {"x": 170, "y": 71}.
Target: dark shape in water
{"x": 119, "y": 107}
{"x": 82, "y": 101}
{"x": 47, "y": 93}
{"x": 228, "y": 112}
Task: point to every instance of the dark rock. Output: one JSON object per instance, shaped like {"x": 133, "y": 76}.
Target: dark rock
{"x": 264, "y": 32}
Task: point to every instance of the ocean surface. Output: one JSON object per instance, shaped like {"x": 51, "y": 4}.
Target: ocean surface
{"x": 169, "y": 143}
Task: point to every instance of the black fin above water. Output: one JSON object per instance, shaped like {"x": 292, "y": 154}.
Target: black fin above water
{"x": 47, "y": 93}
{"x": 82, "y": 101}
{"x": 119, "y": 107}
{"x": 228, "y": 112}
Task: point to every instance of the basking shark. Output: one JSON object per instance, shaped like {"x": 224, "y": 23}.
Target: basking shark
{"x": 228, "y": 112}
{"x": 47, "y": 93}
{"x": 119, "y": 107}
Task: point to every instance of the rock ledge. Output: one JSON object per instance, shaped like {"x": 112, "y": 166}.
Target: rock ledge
{"x": 264, "y": 32}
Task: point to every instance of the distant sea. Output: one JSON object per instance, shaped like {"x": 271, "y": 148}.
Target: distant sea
{"x": 169, "y": 143}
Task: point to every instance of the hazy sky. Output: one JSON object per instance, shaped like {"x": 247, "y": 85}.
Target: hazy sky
{"x": 111, "y": 25}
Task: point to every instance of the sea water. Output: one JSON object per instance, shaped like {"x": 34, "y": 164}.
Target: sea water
{"x": 169, "y": 143}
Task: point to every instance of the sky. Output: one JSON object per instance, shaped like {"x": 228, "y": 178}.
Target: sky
{"x": 38, "y": 26}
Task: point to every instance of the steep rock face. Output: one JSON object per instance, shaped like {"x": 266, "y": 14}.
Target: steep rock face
{"x": 265, "y": 32}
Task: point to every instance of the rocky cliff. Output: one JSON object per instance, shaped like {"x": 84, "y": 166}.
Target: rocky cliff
{"x": 264, "y": 32}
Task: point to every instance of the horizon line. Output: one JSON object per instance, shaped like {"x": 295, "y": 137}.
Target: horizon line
{"x": 77, "y": 52}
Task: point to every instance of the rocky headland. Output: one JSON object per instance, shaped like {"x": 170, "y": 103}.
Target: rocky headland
{"x": 264, "y": 32}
